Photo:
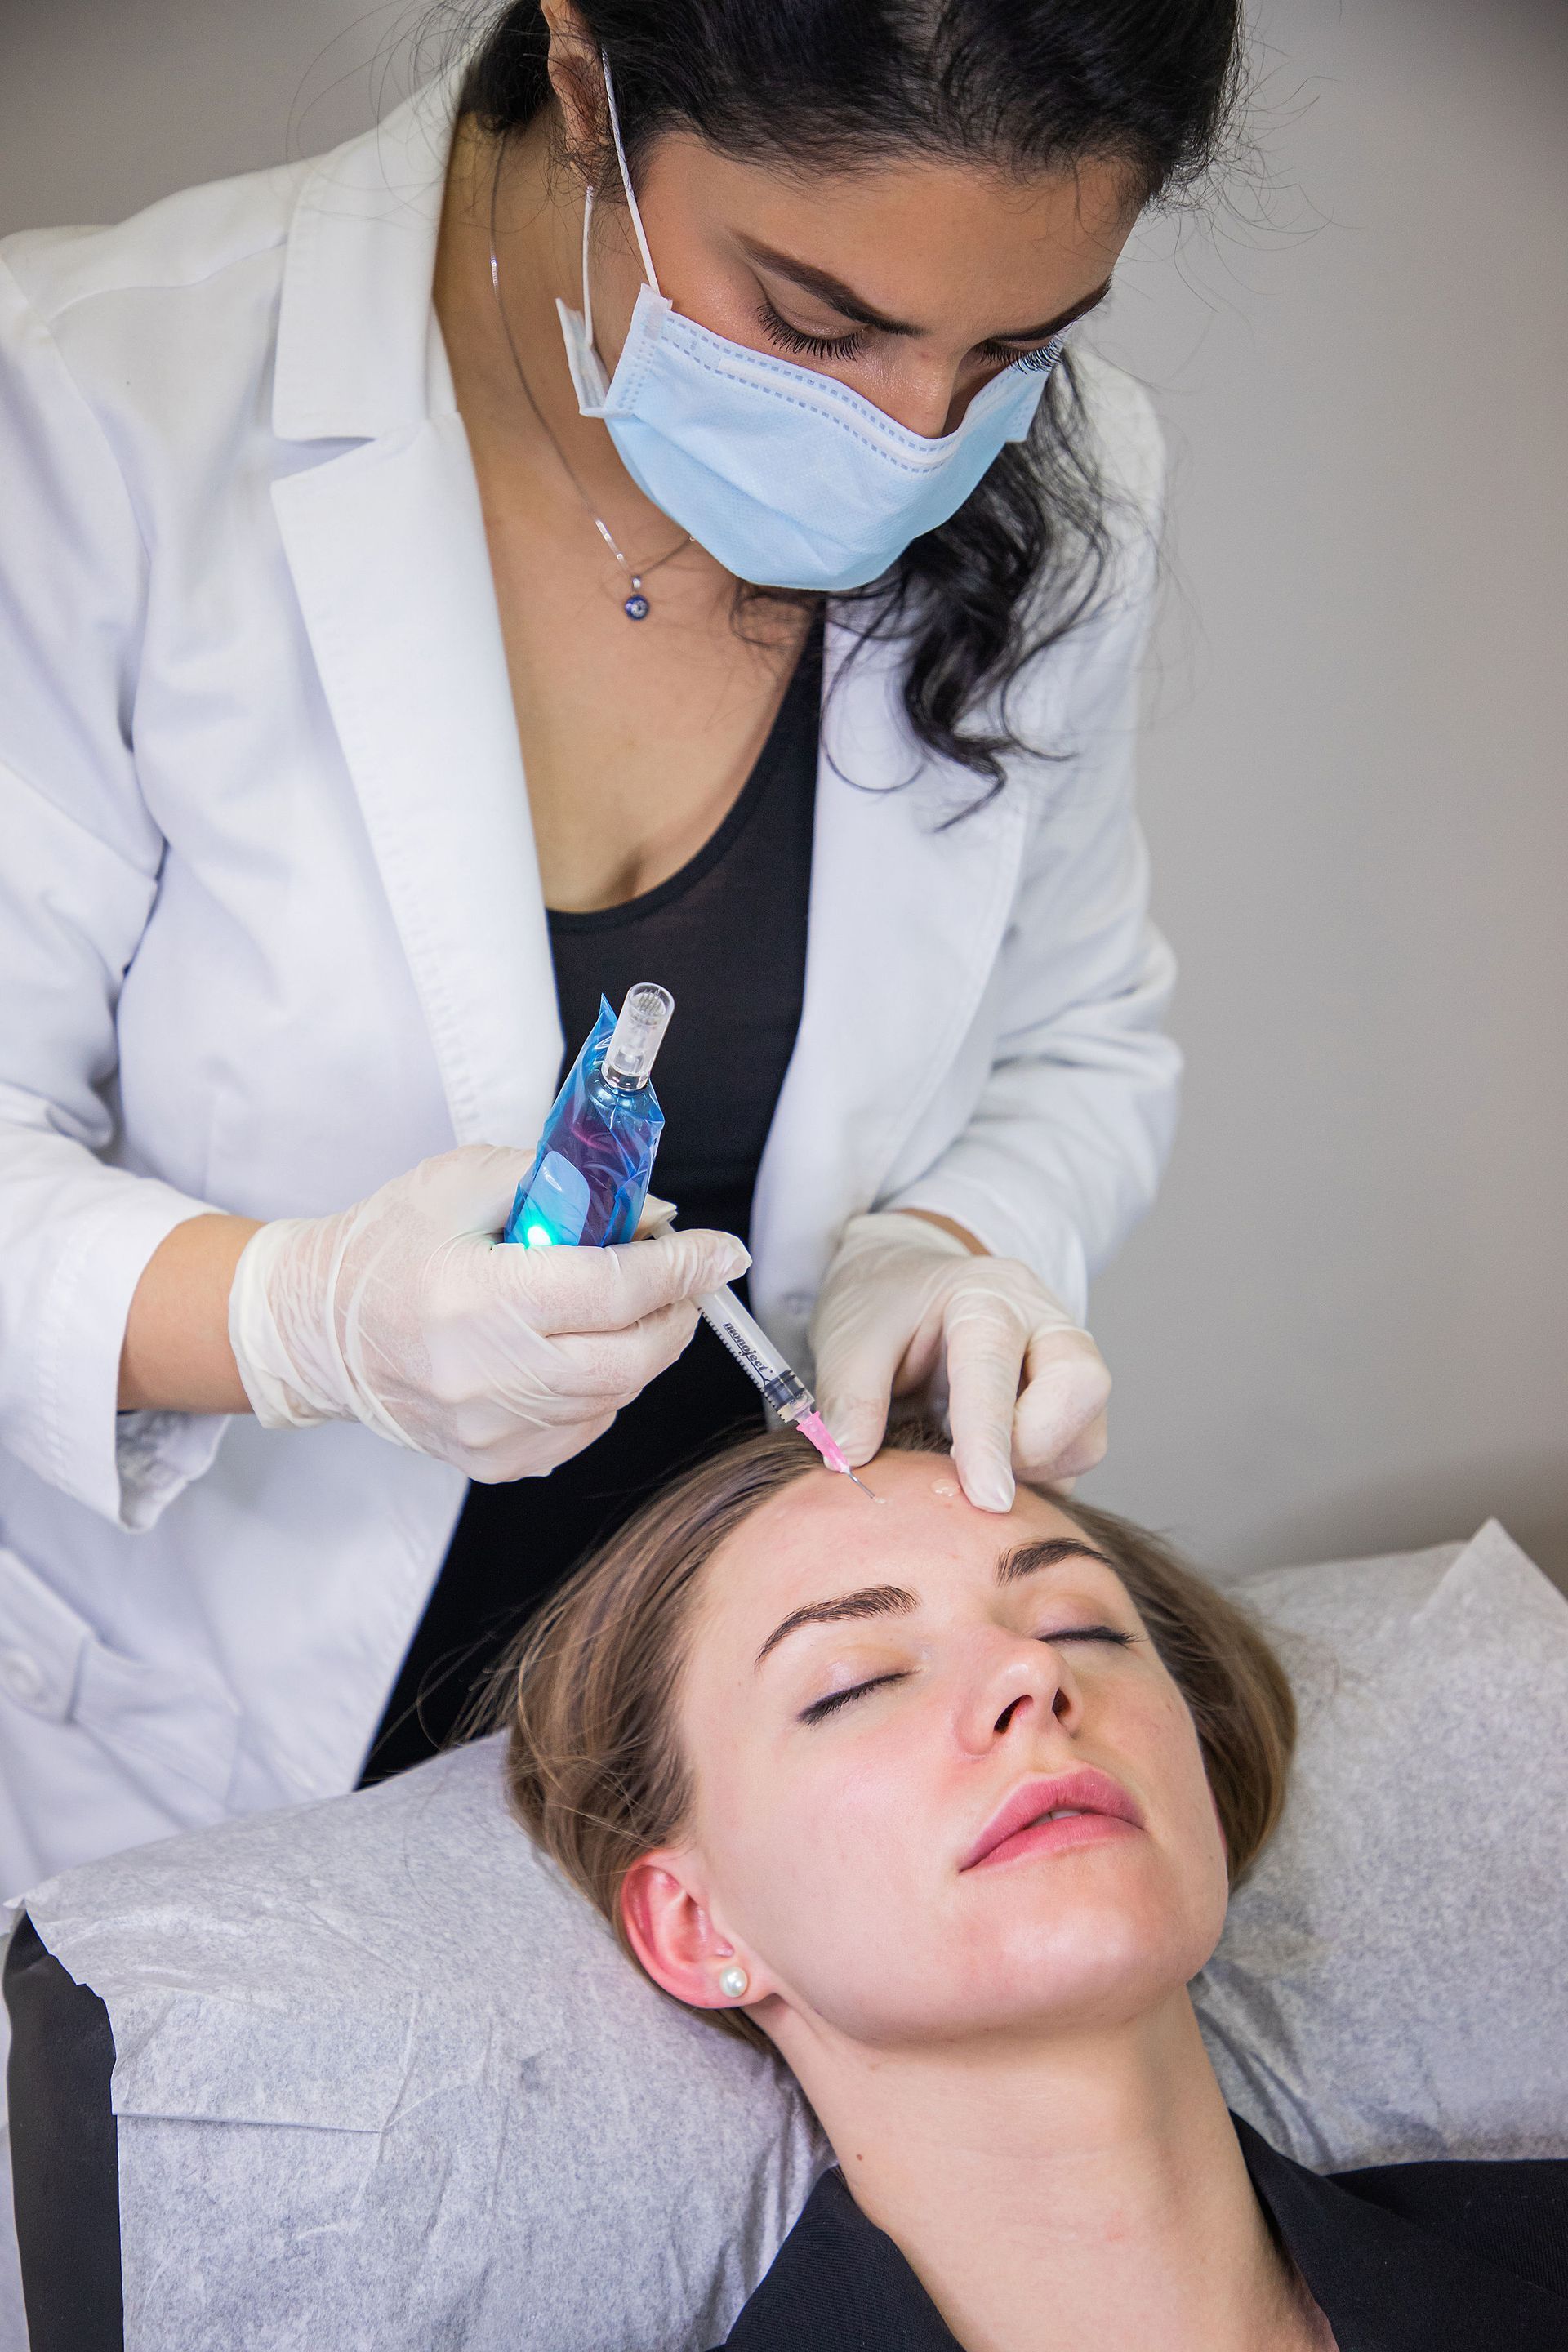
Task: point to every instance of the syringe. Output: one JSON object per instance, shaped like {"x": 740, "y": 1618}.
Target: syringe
{"x": 782, "y": 1389}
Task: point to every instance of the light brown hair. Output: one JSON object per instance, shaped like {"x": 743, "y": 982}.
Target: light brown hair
{"x": 594, "y": 1768}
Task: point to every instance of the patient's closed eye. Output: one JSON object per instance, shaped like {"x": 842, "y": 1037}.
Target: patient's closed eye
{"x": 835, "y": 1701}
{"x": 820, "y": 1709}
{"x": 1088, "y": 1633}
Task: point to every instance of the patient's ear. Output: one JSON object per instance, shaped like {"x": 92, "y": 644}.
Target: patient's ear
{"x": 675, "y": 1937}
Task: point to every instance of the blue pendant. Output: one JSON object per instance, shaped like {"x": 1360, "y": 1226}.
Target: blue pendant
{"x": 636, "y": 608}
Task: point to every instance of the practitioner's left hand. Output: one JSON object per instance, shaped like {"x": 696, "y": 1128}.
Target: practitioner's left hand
{"x": 906, "y": 1304}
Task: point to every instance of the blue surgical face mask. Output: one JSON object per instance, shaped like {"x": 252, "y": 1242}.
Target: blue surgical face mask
{"x": 788, "y": 477}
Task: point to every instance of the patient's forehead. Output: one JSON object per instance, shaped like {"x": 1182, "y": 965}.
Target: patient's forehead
{"x": 822, "y": 1536}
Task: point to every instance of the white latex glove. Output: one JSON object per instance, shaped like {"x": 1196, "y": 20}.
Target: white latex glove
{"x": 403, "y": 1313}
{"x": 907, "y": 1306}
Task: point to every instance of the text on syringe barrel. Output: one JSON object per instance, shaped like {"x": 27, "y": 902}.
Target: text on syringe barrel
{"x": 784, "y": 1393}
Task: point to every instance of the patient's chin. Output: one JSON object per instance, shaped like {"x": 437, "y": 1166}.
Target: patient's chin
{"x": 1108, "y": 1971}
{"x": 1103, "y": 1968}
{"x": 1106, "y": 1942}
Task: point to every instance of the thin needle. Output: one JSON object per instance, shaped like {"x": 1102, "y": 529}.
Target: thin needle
{"x": 861, "y": 1484}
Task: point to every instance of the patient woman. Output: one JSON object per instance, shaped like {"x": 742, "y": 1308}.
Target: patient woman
{"x": 947, "y": 1806}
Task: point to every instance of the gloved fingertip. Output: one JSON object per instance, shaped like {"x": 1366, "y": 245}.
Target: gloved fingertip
{"x": 705, "y": 1260}
{"x": 987, "y": 1481}
{"x": 727, "y": 1260}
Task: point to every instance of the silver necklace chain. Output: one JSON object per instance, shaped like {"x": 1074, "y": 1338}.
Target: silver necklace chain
{"x": 636, "y": 607}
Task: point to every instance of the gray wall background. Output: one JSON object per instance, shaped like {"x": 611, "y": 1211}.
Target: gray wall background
{"x": 1343, "y": 1328}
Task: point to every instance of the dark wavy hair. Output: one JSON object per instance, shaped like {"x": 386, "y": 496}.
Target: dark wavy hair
{"x": 1031, "y": 85}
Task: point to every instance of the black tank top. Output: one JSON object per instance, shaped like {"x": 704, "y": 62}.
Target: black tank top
{"x": 727, "y": 937}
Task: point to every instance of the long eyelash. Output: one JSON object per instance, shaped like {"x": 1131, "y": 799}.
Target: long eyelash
{"x": 820, "y": 1709}
{"x": 1090, "y": 1633}
{"x": 818, "y": 346}
{"x": 1043, "y": 356}
{"x": 779, "y": 330}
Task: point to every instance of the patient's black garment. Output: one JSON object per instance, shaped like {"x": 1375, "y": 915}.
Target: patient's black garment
{"x": 1402, "y": 2258}
{"x": 65, "y": 2158}
{"x": 727, "y": 935}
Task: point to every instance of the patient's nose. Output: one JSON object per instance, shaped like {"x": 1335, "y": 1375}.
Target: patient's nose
{"x": 1019, "y": 1689}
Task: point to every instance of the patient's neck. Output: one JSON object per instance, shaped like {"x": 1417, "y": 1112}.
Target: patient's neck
{"x": 1084, "y": 2190}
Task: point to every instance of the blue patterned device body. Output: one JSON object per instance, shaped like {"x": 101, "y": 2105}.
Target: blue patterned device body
{"x": 590, "y": 1172}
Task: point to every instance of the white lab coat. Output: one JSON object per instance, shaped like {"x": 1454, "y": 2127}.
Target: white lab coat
{"x": 272, "y": 931}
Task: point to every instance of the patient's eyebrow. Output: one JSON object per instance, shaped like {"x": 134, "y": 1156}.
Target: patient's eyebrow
{"x": 1025, "y": 1560}
{"x": 871, "y": 1601}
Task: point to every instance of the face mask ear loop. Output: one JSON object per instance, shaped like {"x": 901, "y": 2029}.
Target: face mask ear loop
{"x": 587, "y": 289}
{"x": 649, "y": 270}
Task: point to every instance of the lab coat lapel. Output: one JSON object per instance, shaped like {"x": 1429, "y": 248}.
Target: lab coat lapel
{"x": 907, "y": 922}
{"x": 385, "y": 543}
{"x": 387, "y": 550}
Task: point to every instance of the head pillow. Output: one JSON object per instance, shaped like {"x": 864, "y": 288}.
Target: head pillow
{"x": 1391, "y": 1984}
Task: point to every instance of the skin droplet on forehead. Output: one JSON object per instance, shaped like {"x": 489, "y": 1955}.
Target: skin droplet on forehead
{"x": 944, "y": 1487}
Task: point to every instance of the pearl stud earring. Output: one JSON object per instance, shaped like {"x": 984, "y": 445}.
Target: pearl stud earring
{"x": 734, "y": 1983}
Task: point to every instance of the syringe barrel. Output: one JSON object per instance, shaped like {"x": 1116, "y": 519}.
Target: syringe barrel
{"x": 782, "y": 1389}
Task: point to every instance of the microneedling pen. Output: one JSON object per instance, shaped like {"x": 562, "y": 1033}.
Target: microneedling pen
{"x": 782, "y": 1389}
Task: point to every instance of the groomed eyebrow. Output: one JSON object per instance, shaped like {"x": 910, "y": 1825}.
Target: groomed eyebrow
{"x": 1027, "y": 1559}
{"x": 1059, "y": 325}
{"x": 872, "y": 1601}
{"x": 844, "y": 298}
{"x": 892, "y": 1600}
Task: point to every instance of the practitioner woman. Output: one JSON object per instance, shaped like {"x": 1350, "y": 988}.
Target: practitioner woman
{"x": 945, "y": 1804}
{"x": 638, "y": 514}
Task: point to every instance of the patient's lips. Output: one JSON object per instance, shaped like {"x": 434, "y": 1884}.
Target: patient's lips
{"x": 1055, "y": 1816}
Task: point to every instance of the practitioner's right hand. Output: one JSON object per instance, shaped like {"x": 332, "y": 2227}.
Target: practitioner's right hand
{"x": 403, "y": 1313}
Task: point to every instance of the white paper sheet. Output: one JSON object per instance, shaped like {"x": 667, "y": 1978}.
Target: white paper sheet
{"x": 383, "y": 2082}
